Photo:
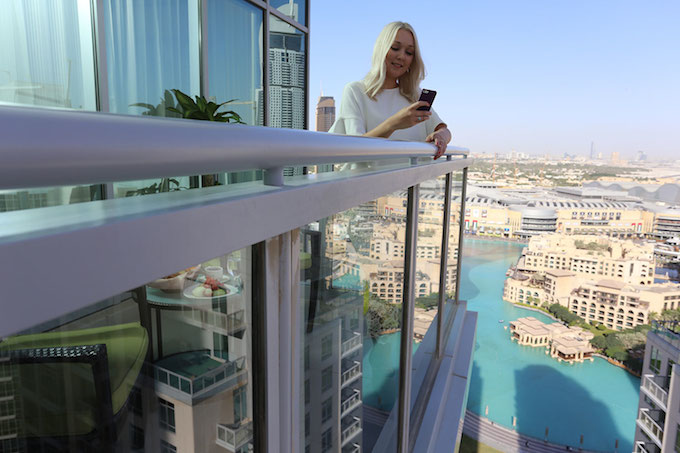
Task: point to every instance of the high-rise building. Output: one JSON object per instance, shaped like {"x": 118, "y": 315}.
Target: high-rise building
{"x": 325, "y": 113}
{"x": 658, "y": 422}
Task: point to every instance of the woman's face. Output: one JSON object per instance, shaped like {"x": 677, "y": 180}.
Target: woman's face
{"x": 400, "y": 55}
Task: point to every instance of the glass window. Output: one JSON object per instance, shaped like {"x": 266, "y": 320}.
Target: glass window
{"x": 286, "y": 76}
{"x": 151, "y": 47}
{"x": 326, "y": 410}
{"x": 166, "y": 414}
{"x": 327, "y": 346}
{"x": 294, "y": 9}
{"x": 655, "y": 360}
{"x": 327, "y": 378}
{"x": 47, "y": 55}
{"x": 235, "y": 56}
{"x": 240, "y": 404}
{"x": 327, "y": 440}
{"x": 136, "y": 437}
{"x": 307, "y": 424}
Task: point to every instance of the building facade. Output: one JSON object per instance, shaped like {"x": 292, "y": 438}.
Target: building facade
{"x": 658, "y": 424}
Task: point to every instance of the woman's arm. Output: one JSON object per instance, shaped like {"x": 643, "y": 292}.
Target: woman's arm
{"x": 403, "y": 119}
{"x": 441, "y": 137}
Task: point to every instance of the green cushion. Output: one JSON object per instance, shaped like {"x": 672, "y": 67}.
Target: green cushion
{"x": 59, "y": 398}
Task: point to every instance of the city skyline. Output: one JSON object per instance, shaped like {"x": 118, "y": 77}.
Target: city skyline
{"x": 534, "y": 77}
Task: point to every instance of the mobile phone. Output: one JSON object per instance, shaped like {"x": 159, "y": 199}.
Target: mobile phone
{"x": 427, "y": 96}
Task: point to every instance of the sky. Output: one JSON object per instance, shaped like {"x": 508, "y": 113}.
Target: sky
{"x": 539, "y": 76}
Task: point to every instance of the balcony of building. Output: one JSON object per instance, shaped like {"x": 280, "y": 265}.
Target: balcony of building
{"x": 351, "y": 344}
{"x": 656, "y": 387}
{"x": 193, "y": 375}
{"x": 351, "y": 399}
{"x": 647, "y": 423}
{"x": 197, "y": 347}
{"x": 646, "y": 447}
{"x": 233, "y": 437}
{"x": 349, "y": 429}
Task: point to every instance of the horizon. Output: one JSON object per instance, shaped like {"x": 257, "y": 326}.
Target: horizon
{"x": 536, "y": 78}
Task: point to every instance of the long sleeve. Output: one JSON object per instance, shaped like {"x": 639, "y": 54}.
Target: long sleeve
{"x": 350, "y": 119}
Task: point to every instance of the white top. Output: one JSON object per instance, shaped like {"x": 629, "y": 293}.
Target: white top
{"x": 359, "y": 114}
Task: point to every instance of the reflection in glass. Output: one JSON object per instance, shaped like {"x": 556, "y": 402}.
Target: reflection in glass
{"x": 295, "y": 9}
{"x": 286, "y": 76}
{"x": 428, "y": 255}
{"x": 46, "y": 56}
{"x": 352, "y": 284}
{"x": 166, "y": 365}
{"x": 235, "y": 64}
{"x": 14, "y": 200}
{"x": 235, "y": 56}
{"x": 454, "y": 236}
{"x": 151, "y": 46}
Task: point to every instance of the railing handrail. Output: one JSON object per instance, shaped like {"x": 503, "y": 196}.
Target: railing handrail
{"x": 75, "y": 147}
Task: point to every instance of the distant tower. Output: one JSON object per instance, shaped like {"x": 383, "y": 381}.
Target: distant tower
{"x": 615, "y": 157}
{"x": 325, "y": 113}
{"x": 592, "y": 150}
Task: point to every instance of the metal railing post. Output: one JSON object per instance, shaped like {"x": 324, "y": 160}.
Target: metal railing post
{"x": 444, "y": 263}
{"x": 461, "y": 231}
{"x": 408, "y": 301}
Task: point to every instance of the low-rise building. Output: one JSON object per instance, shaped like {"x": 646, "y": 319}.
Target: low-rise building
{"x": 571, "y": 344}
{"x": 588, "y": 256}
{"x": 619, "y": 306}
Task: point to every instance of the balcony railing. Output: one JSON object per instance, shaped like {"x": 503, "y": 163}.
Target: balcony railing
{"x": 351, "y": 403}
{"x": 228, "y": 322}
{"x": 352, "y": 344}
{"x": 657, "y": 388}
{"x": 646, "y": 447}
{"x": 649, "y": 426}
{"x": 351, "y": 374}
{"x": 199, "y": 385}
{"x": 233, "y": 437}
{"x": 350, "y": 430}
{"x": 353, "y": 448}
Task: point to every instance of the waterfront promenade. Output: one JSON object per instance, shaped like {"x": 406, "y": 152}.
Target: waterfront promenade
{"x": 506, "y": 439}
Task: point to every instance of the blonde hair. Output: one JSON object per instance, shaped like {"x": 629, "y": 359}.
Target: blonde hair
{"x": 409, "y": 83}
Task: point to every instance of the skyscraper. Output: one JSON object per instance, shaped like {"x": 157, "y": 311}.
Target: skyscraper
{"x": 325, "y": 113}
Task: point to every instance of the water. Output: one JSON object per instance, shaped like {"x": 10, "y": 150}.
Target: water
{"x": 593, "y": 399}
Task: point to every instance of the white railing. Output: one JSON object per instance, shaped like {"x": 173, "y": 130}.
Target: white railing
{"x": 354, "y": 448}
{"x": 199, "y": 385}
{"x": 654, "y": 390}
{"x": 88, "y": 148}
{"x": 352, "y": 343}
{"x": 76, "y": 147}
{"x": 350, "y": 431}
{"x": 351, "y": 374}
{"x": 234, "y": 437}
{"x": 350, "y": 403}
{"x": 653, "y": 430}
{"x": 640, "y": 448}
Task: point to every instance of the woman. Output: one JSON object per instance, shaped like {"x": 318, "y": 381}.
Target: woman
{"x": 385, "y": 104}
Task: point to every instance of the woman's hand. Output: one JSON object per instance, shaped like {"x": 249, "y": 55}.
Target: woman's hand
{"x": 410, "y": 116}
{"x": 440, "y": 138}
{"x": 407, "y": 117}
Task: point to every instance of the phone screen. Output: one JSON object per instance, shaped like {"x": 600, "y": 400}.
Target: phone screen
{"x": 427, "y": 96}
